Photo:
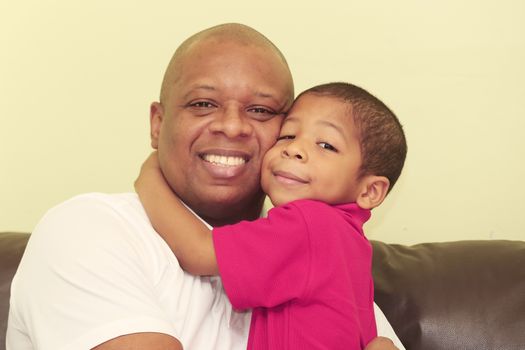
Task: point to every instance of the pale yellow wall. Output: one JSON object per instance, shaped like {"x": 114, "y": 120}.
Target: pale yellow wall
{"x": 76, "y": 80}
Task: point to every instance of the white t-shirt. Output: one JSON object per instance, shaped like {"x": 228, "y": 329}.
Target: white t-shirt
{"x": 94, "y": 269}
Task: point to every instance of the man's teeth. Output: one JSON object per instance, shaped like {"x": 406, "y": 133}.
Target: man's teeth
{"x": 224, "y": 160}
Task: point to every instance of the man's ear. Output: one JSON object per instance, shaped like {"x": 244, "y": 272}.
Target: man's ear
{"x": 373, "y": 190}
{"x": 156, "y": 116}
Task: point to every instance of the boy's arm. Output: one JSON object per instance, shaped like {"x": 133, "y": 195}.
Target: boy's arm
{"x": 189, "y": 239}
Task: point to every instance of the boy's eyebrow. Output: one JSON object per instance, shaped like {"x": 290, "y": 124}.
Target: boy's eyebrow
{"x": 290, "y": 119}
{"x": 338, "y": 128}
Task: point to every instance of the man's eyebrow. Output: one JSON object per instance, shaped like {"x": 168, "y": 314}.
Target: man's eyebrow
{"x": 270, "y": 96}
{"x": 200, "y": 87}
{"x": 263, "y": 94}
{"x": 212, "y": 88}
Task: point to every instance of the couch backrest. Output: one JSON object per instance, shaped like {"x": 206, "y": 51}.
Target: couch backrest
{"x": 12, "y": 246}
{"x": 458, "y": 295}
{"x": 438, "y": 296}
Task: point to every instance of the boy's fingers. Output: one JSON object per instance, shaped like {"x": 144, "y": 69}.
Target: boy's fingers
{"x": 381, "y": 343}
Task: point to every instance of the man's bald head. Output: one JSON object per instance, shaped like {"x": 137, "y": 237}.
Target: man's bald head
{"x": 230, "y": 32}
{"x": 224, "y": 95}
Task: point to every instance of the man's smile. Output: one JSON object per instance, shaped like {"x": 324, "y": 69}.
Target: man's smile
{"x": 224, "y": 164}
{"x": 222, "y": 160}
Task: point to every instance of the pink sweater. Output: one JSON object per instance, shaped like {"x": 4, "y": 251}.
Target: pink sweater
{"x": 306, "y": 273}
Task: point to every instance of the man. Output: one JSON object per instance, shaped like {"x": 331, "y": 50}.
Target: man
{"x": 96, "y": 275}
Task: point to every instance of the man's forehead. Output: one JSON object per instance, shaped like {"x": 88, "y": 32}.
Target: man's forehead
{"x": 208, "y": 53}
{"x": 196, "y": 50}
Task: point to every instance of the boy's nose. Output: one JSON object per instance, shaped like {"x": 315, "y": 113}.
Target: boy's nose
{"x": 295, "y": 151}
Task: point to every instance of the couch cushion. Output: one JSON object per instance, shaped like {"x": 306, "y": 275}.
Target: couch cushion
{"x": 457, "y": 295}
{"x": 12, "y": 246}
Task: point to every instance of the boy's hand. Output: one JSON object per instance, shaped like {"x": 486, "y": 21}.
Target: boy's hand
{"x": 381, "y": 343}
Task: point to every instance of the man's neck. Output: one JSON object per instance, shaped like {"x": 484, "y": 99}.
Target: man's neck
{"x": 233, "y": 216}
{"x": 217, "y": 222}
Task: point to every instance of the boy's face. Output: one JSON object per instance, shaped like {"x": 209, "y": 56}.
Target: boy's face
{"x": 317, "y": 155}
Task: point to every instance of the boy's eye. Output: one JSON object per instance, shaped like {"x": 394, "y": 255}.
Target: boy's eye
{"x": 327, "y": 146}
{"x": 285, "y": 137}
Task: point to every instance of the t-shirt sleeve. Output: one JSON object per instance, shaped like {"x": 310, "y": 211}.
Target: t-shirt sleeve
{"x": 82, "y": 281}
{"x": 265, "y": 262}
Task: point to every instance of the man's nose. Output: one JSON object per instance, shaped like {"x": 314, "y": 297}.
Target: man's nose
{"x": 233, "y": 122}
{"x": 295, "y": 150}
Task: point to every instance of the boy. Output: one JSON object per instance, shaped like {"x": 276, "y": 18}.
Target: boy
{"x": 306, "y": 269}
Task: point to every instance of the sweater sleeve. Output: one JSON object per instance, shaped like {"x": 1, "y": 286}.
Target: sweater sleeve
{"x": 264, "y": 263}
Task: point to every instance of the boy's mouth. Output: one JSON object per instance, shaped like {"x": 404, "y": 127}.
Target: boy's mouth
{"x": 289, "y": 178}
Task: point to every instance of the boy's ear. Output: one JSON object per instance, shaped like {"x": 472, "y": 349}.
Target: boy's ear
{"x": 373, "y": 190}
{"x": 156, "y": 115}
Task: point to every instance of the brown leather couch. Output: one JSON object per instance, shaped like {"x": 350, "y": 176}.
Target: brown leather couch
{"x": 449, "y": 296}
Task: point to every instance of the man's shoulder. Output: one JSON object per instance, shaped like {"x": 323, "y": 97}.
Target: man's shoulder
{"x": 99, "y": 198}
{"x": 93, "y": 214}
{"x": 87, "y": 204}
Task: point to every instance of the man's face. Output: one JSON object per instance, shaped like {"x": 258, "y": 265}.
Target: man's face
{"x": 220, "y": 117}
{"x": 317, "y": 155}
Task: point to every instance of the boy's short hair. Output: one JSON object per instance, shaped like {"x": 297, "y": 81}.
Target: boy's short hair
{"x": 381, "y": 136}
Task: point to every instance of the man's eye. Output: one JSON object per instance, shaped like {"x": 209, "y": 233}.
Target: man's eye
{"x": 286, "y": 137}
{"x": 261, "y": 113}
{"x": 261, "y": 110}
{"x": 202, "y": 104}
{"x": 327, "y": 146}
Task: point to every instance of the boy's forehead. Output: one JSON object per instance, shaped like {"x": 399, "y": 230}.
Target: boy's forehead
{"x": 320, "y": 108}
{"x": 325, "y": 101}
